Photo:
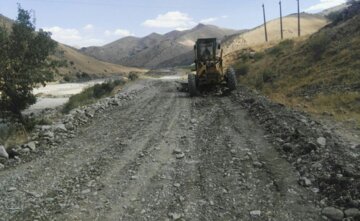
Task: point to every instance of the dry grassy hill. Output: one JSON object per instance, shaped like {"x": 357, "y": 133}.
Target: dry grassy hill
{"x": 4, "y": 21}
{"x": 82, "y": 67}
{"x": 319, "y": 75}
{"x": 256, "y": 37}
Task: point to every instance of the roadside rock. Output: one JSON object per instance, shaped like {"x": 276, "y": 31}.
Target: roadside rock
{"x": 11, "y": 189}
{"x": 288, "y": 147}
{"x": 353, "y": 212}
{"x": 175, "y": 216}
{"x": 48, "y": 134}
{"x": 1, "y": 166}
{"x": 321, "y": 141}
{"x": 31, "y": 145}
{"x": 69, "y": 126}
{"x": 90, "y": 113}
{"x": 60, "y": 128}
{"x": 86, "y": 191}
{"x": 3, "y": 152}
{"x": 255, "y": 213}
{"x": 304, "y": 181}
{"x": 333, "y": 213}
{"x": 177, "y": 151}
{"x": 180, "y": 155}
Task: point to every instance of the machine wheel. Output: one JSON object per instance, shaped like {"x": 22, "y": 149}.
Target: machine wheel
{"x": 192, "y": 85}
{"x": 231, "y": 79}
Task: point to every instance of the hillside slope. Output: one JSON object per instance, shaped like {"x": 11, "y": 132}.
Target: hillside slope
{"x": 156, "y": 50}
{"x": 82, "y": 67}
{"x": 79, "y": 66}
{"x": 4, "y": 21}
{"x": 320, "y": 75}
{"x": 309, "y": 25}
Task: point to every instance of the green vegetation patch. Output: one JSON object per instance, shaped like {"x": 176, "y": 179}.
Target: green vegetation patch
{"x": 92, "y": 94}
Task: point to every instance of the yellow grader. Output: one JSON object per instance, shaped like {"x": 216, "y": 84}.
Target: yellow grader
{"x": 209, "y": 67}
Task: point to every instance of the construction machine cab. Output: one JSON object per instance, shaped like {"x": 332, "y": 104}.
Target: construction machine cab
{"x": 205, "y": 49}
{"x": 209, "y": 67}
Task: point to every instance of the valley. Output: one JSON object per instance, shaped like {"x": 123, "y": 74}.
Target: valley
{"x": 130, "y": 130}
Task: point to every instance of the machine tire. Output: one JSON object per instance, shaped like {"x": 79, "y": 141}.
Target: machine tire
{"x": 231, "y": 80}
{"x": 192, "y": 85}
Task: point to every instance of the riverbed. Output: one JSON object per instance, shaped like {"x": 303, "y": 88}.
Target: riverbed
{"x": 54, "y": 94}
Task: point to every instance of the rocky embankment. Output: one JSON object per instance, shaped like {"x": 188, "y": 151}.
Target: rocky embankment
{"x": 326, "y": 164}
{"x": 45, "y": 137}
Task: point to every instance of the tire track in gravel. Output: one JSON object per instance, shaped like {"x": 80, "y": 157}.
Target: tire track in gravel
{"x": 139, "y": 163}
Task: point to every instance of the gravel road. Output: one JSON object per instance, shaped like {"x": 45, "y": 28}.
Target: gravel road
{"x": 162, "y": 156}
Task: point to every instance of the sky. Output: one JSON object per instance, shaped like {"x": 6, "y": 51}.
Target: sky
{"x": 82, "y": 23}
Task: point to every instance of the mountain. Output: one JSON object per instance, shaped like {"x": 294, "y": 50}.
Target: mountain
{"x": 156, "y": 50}
{"x": 80, "y": 66}
{"x": 256, "y": 37}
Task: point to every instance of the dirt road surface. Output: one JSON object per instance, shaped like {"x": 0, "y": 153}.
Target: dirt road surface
{"x": 162, "y": 156}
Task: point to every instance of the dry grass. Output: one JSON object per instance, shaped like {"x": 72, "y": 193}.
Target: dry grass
{"x": 317, "y": 75}
{"x": 255, "y": 38}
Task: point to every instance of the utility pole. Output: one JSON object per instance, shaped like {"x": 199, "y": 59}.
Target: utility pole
{"x": 281, "y": 22}
{"x": 266, "y": 36}
{"x": 299, "y": 31}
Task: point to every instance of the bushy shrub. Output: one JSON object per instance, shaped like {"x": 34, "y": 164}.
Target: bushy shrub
{"x": 258, "y": 56}
{"x": 268, "y": 76}
{"x": 91, "y": 94}
{"x": 281, "y": 47}
{"x": 67, "y": 79}
{"x": 242, "y": 69}
{"x": 133, "y": 76}
{"x": 318, "y": 45}
{"x": 100, "y": 90}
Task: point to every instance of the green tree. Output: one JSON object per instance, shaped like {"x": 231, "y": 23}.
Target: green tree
{"x": 25, "y": 63}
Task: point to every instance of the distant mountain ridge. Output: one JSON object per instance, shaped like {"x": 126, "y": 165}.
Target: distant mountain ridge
{"x": 156, "y": 50}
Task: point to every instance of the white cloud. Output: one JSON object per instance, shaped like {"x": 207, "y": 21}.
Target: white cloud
{"x": 209, "y": 20}
{"x": 325, "y": 4}
{"x": 73, "y": 37}
{"x": 173, "y": 19}
{"x": 213, "y": 19}
{"x": 64, "y": 34}
{"x": 122, "y": 32}
{"x": 108, "y": 33}
{"x": 118, "y": 32}
{"x": 88, "y": 27}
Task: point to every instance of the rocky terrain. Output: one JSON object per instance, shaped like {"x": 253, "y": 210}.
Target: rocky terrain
{"x": 153, "y": 153}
